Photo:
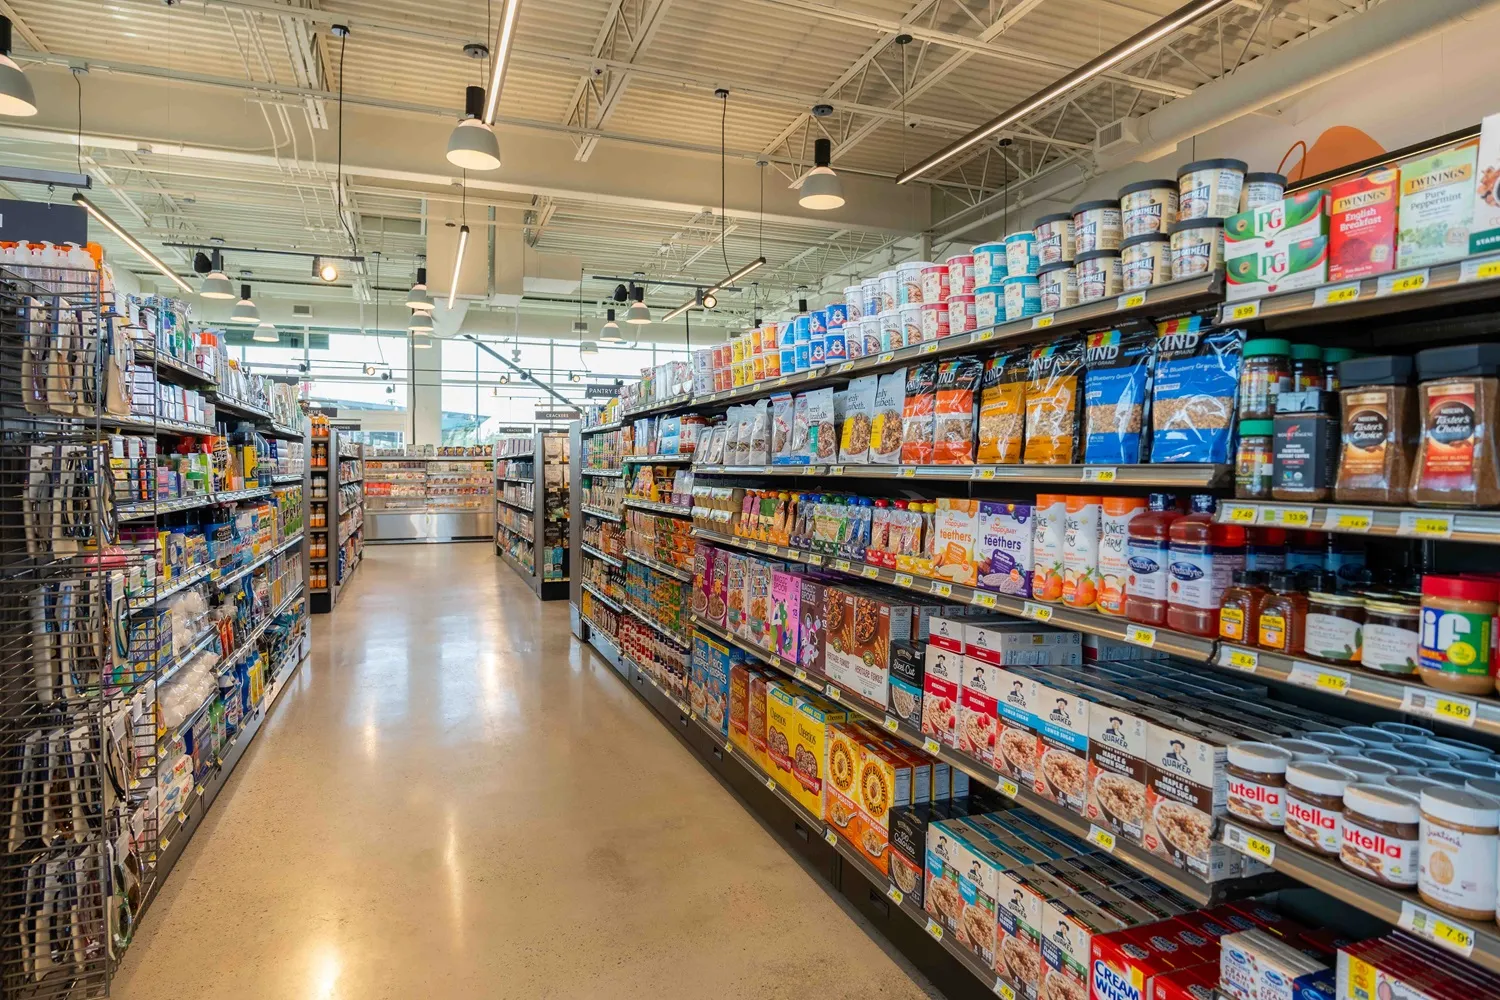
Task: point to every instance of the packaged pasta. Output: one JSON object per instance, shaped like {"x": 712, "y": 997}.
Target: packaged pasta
{"x": 1194, "y": 391}
{"x": 1002, "y": 409}
{"x": 885, "y": 428}
{"x": 822, "y": 438}
{"x": 917, "y": 414}
{"x": 782, "y": 407}
{"x": 1052, "y": 403}
{"x": 953, "y": 411}
{"x": 859, "y": 415}
{"x": 1116, "y": 394}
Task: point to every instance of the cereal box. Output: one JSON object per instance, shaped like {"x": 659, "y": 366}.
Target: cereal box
{"x": 718, "y": 590}
{"x": 1362, "y": 225}
{"x": 781, "y": 729}
{"x": 940, "y": 693}
{"x": 1062, "y": 721}
{"x": 756, "y": 719}
{"x": 871, "y": 623}
{"x": 739, "y": 706}
{"x": 1437, "y": 206}
{"x": 715, "y": 685}
{"x": 1196, "y": 982}
{"x": 1117, "y": 770}
{"x": 736, "y": 594}
{"x": 1015, "y": 743}
{"x": 1484, "y": 234}
{"x": 955, "y": 526}
{"x": 758, "y": 604}
{"x": 1185, "y": 793}
{"x": 786, "y": 613}
{"x": 703, "y": 574}
{"x": 1002, "y": 547}
{"x": 908, "y": 667}
{"x": 841, "y": 805}
{"x": 908, "y": 839}
{"x": 886, "y": 779}
{"x": 808, "y": 750}
{"x": 1069, "y": 926}
{"x": 977, "y": 712}
{"x": 811, "y": 632}
{"x": 1124, "y": 964}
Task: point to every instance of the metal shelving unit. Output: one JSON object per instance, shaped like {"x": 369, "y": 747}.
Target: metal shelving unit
{"x": 536, "y": 515}
{"x": 342, "y": 558}
{"x": 1166, "y": 475}
{"x": 1423, "y": 523}
{"x": 658, "y": 508}
{"x": 434, "y": 516}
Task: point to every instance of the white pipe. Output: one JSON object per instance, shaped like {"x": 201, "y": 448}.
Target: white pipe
{"x": 1347, "y": 44}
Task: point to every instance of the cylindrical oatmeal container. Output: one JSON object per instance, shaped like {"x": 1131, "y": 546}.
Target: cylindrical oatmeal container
{"x": 1096, "y": 226}
{"x": 911, "y": 323}
{"x": 1023, "y": 297}
{"x": 1197, "y": 247}
{"x": 1146, "y": 260}
{"x": 854, "y": 338}
{"x": 962, "y": 315}
{"x": 869, "y": 293}
{"x": 989, "y": 266}
{"x": 989, "y": 306}
{"x": 1058, "y": 286}
{"x": 1210, "y": 189}
{"x": 854, "y": 301}
{"x": 890, "y": 290}
{"x": 1099, "y": 275}
{"x": 892, "y": 337}
{"x": 934, "y": 320}
{"x": 1262, "y": 189}
{"x": 1148, "y": 207}
{"x": 1054, "y": 238}
{"x": 909, "y": 282}
{"x": 1020, "y": 255}
{"x": 872, "y": 326}
{"x": 961, "y": 274}
{"x": 934, "y": 284}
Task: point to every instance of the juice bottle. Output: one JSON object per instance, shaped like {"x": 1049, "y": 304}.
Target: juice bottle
{"x": 1081, "y": 551}
{"x": 1146, "y": 544}
{"x": 1201, "y": 563}
{"x": 1114, "y": 566}
{"x": 1047, "y": 547}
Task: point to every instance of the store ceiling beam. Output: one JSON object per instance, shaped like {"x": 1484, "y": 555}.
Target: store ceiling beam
{"x": 636, "y": 23}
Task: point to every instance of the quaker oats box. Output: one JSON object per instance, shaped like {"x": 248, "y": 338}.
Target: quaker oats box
{"x": 737, "y": 584}
{"x": 1062, "y": 724}
{"x": 1069, "y": 925}
{"x": 1117, "y": 769}
{"x": 1186, "y": 792}
{"x": 1020, "y": 895}
{"x": 978, "y": 715}
{"x": 941, "y": 687}
{"x": 908, "y": 670}
{"x": 978, "y": 881}
{"x": 1009, "y": 643}
{"x": 946, "y": 855}
{"x": 812, "y": 627}
{"x": 1015, "y": 743}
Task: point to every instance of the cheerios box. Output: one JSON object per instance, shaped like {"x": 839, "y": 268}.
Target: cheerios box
{"x": 809, "y": 750}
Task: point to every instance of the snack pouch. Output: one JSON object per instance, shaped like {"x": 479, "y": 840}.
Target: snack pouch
{"x": 1116, "y": 394}
{"x": 1195, "y": 391}
{"x": 954, "y": 409}
{"x": 858, "y": 421}
{"x": 917, "y": 414}
{"x": 1002, "y": 410}
{"x": 1052, "y": 403}
{"x": 885, "y": 428}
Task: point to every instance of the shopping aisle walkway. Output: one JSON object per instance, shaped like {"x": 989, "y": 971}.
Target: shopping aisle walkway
{"x": 454, "y": 799}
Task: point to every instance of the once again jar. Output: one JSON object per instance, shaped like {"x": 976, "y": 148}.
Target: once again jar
{"x": 1460, "y": 852}
{"x": 1457, "y": 619}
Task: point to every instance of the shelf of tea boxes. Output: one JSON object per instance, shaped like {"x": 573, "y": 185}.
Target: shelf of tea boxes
{"x": 1401, "y": 291}
{"x": 1407, "y": 695}
{"x": 1118, "y": 475}
{"x": 658, "y": 508}
{"x": 1479, "y": 941}
{"x": 1189, "y": 647}
{"x": 1426, "y": 523}
{"x": 1160, "y": 301}
{"x": 1135, "y": 856}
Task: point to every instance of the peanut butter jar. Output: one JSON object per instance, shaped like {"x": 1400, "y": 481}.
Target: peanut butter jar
{"x": 1460, "y": 851}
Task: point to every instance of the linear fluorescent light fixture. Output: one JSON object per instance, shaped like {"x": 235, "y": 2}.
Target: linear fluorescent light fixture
{"x": 1173, "y": 22}
{"x": 458, "y": 263}
{"x": 130, "y": 241}
{"x": 708, "y": 292}
{"x": 501, "y": 58}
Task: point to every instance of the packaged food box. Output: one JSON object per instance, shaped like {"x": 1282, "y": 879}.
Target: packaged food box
{"x": 1185, "y": 794}
{"x": 908, "y": 670}
{"x": 739, "y": 707}
{"x": 756, "y": 720}
{"x": 941, "y": 688}
{"x": 955, "y": 526}
{"x": 908, "y": 840}
{"x": 1484, "y": 233}
{"x": 1196, "y": 982}
{"x": 736, "y": 594}
{"x": 708, "y": 683}
{"x": 1362, "y": 224}
{"x": 1015, "y": 739}
{"x": 944, "y": 858}
{"x": 1020, "y": 895}
{"x": 1062, "y": 726}
{"x": 758, "y": 604}
{"x": 1298, "y": 216}
{"x": 786, "y": 613}
{"x": 1069, "y": 925}
{"x": 1002, "y": 547}
{"x": 871, "y": 622}
{"x": 1018, "y": 643}
{"x": 703, "y": 575}
{"x": 1117, "y": 769}
{"x": 842, "y": 801}
{"x": 888, "y": 783}
{"x": 1267, "y": 267}
{"x": 1437, "y": 206}
{"x": 1124, "y": 964}
{"x": 1253, "y": 965}
{"x": 978, "y": 715}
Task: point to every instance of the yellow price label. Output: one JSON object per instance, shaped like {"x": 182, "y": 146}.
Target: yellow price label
{"x": 1409, "y": 282}
{"x": 929, "y": 348}
{"x": 1037, "y": 612}
{"x": 941, "y": 589}
{"x": 1132, "y": 301}
{"x": 1007, "y": 787}
{"x": 1335, "y": 683}
{"x": 903, "y": 580}
{"x": 1004, "y": 990}
{"x": 800, "y": 674}
{"x": 1242, "y": 515}
{"x": 1263, "y": 850}
{"x": 1245, "y": 310}
{"x": 1296, "y": 517}
{"x": 1100, "y": 837}
{"x": 833, "y": 692}
{"x": 895, "y": 894}
{"x": 1353, "y": 520}
{"x": 835, "y": 470}
{"x": 1042, "y": 322}
{"x": 1461, "y": 712}
{"x": 847, "y": 366}
{"x": 984, "y": 473}
{"x": 771, "y": 784}
{"x": 892, "y": 723}
{"x": 1487, "y": 269}
{"x": 842, "y": 565}
{"x": 982, "y": 599}
{"x": 1100, "y": 475}
{"x": 1243, "y": 659}
{"x": 809, "y": 470}
{"x": 931, "y": 745}
{"x": 1141, "y": 636}
{"x": 1436, "y": 928}
{"x": 869, "y": 572}
{"x": 728, "y": 747}
{"x": 1336, "y": 296}
{"x": 908, "y": 472}
{"x": 813, "y": 559}
{"x": 830, "y": 836}
{"x": 783, "y": 380}
{"x": 1432, "y": 527}
{"x": 887, "y": 356}
{"x": 935, "y": 929}
{"x": 983, "y": 335}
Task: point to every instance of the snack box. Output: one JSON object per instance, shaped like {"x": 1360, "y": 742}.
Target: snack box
{"x": 786, "y": 613}
{"x": 955, "y": 526}
{"x": 1400, "y": 967}
{"x": 889, "y": 781}
{"x": 1253, "y": 965}
{"x": 875, "y": 622}
{"x": 1124, "y": 964}
{"x": 1011, "y": 643}
{"x": 757, "y": 720}
{"x": 841, "y": 804}
{"x": 809, "y": 749}
{"x": 1362, "y": 224}
{"x": 1196, "y": 982}
{"x": 1437, "y": 206}
{"x": 736, "y": 587}
{"x": 703, "y": 575}
{"x": 908, "y": 670}
{"x": 758, "y": 605}
{"x": 978, "y": 715}
{"x": 739, "y": 706}
{"x": 941, "y": 690}
{"x": 1062, "y": 728}
{"x": 1002, "y": 547}
{"x": 708, "y": 683}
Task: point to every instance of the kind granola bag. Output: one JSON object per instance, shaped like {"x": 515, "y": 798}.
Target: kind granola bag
{"x": 1052, "y": 403}
{"x": 1116, "y": 397}
{"x": 1195, "y": 390}
{"x": 1002, "y": 410}
{"x": 917, "y": 414}
{"x": 954, "y": 411}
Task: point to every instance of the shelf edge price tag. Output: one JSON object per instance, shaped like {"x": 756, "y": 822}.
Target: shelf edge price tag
{"x": 771, "y": 784}
{"x": 1132, "y": 301}
{"x": 887, "y": 356}
{"x": 931, "y": 746}
{"x": 929, "y": 348}
{"x": 935, "y": 929}
{"x": 1100, "y": 837}
{"x": 847, "y": 366}
{"x": 842, "y": 565}
{"x": 835, "y": 470}
{"x": 1242, "y": 515}
{"x": 800, "y": 674}
{"x": 870, "y": 572}
{"x": 1479, "y": 269}
{"x": 940, "y": 589}
{"x": 896, "y": 895}
{"x": 830, "y": 836}
{"x": 1141, "y": 636}
{"x": 1037, "y": 612}
{"x": 903, "y": 579}
{"x": 1004, "y": 990}
{"x": 1425, "y": 525}
{"x": 892, "y": 723}
{"x": 1249, "y": 844}
{"x": 1100, "y": 474}
{"x": 908, "y": 472}
{"x": 1319, "y": 678}
{"x": 982, "y": 335}
{"x": 1042, "y": 322}
{"x": 1437, "y": 929}
{"x": 1244, "y": 659}
{"x": 833, "y": 692}
{"x": 1296, "y": 517}
{"x": 729, "y": 746}
{"x": 783, "y": 380}
{"x": 1007, "y": 787}
{"x": 1349, "y": 520}
{"x": 1395, "y": 284}
{"x": 1448, "y": 708}
{"x": 1333, "y": 295}
{"x": 1245, "y": 310}
{"x": 984, "y": 473}
{"x": 982, "y": 598}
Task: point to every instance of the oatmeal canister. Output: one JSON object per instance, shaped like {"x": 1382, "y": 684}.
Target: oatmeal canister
{"x": 934, "y": 321}
{"x": 934, "y": 284}
{"x": 1261, "y": 189}
{"x": 1455, "y": 462}
{"x": 961, "y": 314}
{"x": 989, "y": 306}
{"x": 1379, "y": 837}
{"x": 1023, "y": 297}
{"x": 989, "y": 265}
{"x": 961, "y": 274}
{"x": 1210, "y": 189}
{"x": 1460, "y": 851}
{"x": 1315, "y": 804}
{"x": 1099, "y": 275}
{"x": 1145, "y": 260}
{"x": 1020, "y": 255}
{"x": 1197, "y": 247}
{"x": 1054, "y": 238}
{"x": 1058, "y": 285}
{"x": 1096, "y": 226}
{"x": 1148, "y": 207}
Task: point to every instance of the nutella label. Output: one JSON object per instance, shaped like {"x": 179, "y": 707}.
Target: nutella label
{"x": 1380, "y": 856}
{"x": 1258, "y": 803}
{"x": 1312, "y": 825}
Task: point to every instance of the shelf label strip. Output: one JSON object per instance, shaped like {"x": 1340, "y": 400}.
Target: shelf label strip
{"x": 1438, "y": 929}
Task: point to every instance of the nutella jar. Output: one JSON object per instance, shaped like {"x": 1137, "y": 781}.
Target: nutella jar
{"x": 1257, "y": 784}
{"x": 1460, "y": 852}
{"x": 1432, "y": 756}
{"x": 1370, "y": 772}
{"x": 1315, "y": 804}
{"x": 1448, "y": 776}
{"x": 1306, "y": 750}
{"x": 1412, "y": 784}
{"x": 1405, "y": 731}
{"x": 1379, "y": 834}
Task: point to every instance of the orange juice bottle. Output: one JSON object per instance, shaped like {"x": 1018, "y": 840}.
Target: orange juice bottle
{"x": 1114, "y": 559}
{"x": 1081, "y": 551}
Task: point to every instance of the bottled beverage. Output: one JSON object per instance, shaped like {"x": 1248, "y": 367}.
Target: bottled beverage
{"x": 1202, "y": 559}
{"x": 1146, "y": 588}
{"x": 1266, "y": 550}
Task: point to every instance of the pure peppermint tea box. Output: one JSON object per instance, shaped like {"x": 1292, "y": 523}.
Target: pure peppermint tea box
{"x": 1437, "y": 206}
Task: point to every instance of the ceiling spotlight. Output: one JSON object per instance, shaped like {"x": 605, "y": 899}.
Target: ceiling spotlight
{"x": 609, "y": 333}
{"x": 324, "y": 270}
{"x": 216, "y": 285}
{"x": 588, "y": 349}
{"x": 638, "y": 314}
{"x": 473, "y": 145}
{"x": 245, "y": 313}
{"x": 266, "y": 333}
{"x": 421, "y": 321}
{"x": 622, "y": 294}
{"x": 418, "y": 298}
{"x": 574, "y": 377}
{"x": 504, "y": 379}
{"x": 201, "y": 263}
{"x": 710, "y": 301}
{"x": 821, "y": 189}
{"x": 16, "y": 96}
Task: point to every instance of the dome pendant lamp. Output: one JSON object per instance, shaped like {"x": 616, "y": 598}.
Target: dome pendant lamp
{"x": 418, "y": 298}
{"x": 216, "y": 283}
{"x": 266, "y": 333}
{"x": 17, "y": 99}
{"x": 245, "y": 313}
{"x": 821, "y": 189}
{"x": 610, "y": 332}
{"x": 473, "y": 145}
{"x": 639, "y": 314}
{"x": 421, "y": 321}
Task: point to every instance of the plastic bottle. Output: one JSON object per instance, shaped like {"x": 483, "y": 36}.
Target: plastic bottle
{"x": 1306, "y": 553}
{"x": 1266, "y": 550}
{"x": 879, "y": 522}
{"x": 1146, "y": 589}
{"x": 1201, "y": 565}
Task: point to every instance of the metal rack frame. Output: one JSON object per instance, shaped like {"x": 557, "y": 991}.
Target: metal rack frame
{"x": 536, "y": 517}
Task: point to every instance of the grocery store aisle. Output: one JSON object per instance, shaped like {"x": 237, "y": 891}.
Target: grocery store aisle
{"x": 454, "y": 799}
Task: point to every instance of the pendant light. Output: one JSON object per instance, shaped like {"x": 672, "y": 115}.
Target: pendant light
{"x": 418, "y": 298}
{"x": 266, "y": 333}
{"x": 610, "y": 332}
{"x": 104, "y": 220}
{"x": 245, "y": 313}
{"x": 421, "y": 321}
{"x": 588, "y": 349}
{"x": 17, "y": 99}
{"x": 473, "y": 145}
{"x": 420, "y": 341}
{"x": 821, "y": 189}
{"x": 216, "y": 285}
{"x": 458, "y": 260}
{"x": 638, "y": 314}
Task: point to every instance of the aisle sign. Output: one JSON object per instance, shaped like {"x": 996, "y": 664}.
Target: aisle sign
{"x": 1336, "y": 295}
{"x": 1437, "y": 928}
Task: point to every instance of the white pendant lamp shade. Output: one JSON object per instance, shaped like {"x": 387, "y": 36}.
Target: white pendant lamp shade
{"x": 216, "y": 283}
{"x": 245, "y": 313}
{"x": 638, "y": 314}
{"x": 266, "y": 333}
{"x": 421, "y": 321}
{"x": 418, "y": 298}
{"x": 420, "y": 341}
{"x": 610, "y": 332}
{"x": 821, "y": 188}
{"x": 588, "y": 349}
{"x": 17, "y": 99}
{"x": 473, "y": 145}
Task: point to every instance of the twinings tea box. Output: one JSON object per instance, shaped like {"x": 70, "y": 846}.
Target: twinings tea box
{"x": 1437, "y": 206}
{"x": 1362, "y": 225}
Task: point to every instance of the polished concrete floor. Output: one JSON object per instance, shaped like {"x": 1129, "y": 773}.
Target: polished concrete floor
{"x": 454, "y": 799}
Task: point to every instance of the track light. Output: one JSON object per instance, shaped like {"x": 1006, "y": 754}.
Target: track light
{"x": 421, "y": 321}
{"x": 458, "y": 263}
{"x": 17, "y": 99}
{"x": 418, "y": 298}
{"x": 710, "y": 301}
{"x": 821, "y": 189}
{"x": 638, "y": 314}
{"x": 266, "y": 333}
{"x": 707, "y": 299}
{"x": 610, "y": 332}
{"x": 245, "y": 313}
{"x": 472, "y": 145}
{"x": 130, "y": 241}
{"x": 325, "y": 270}
{"x": 504, "y": 379}
{"x": 216, "y": 285}
{"x": 574, "y": 377}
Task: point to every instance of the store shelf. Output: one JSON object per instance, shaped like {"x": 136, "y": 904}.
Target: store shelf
{"x": 515, "y": 506}
{"x": 287, "y": 477}
{"x": 512, "y": 531}
{"x": 273, "y": 429}
{"x": 174, "y": 370}
{"x": 597, "y": 554}
{"x": 612, "y": 473}
{"x": 1404, "y": 909}
{"x": 161, "y": 594}
{"x": 244, "y": 571}
{"x": 658, "y": 508}
{"x": 1162, "y": 640}
{"x": 205, "y": 639}
{"x": 515, "y": 564}
{"x": 645, "y": 617}
{"x": 1160, "y": 301}
{"x": 601, "y": 428}
{"x": 601, "y": 512}
{"x": 1426, "y": 523}
{"x": 1118, "y": 475}
{"x": 1408, "y": 290}
{"x": 506, "y": 479}
{"x": 146, "y": 509}
{"x": 663, "y": 406}
{"x": 238, "y": 407}
{"x": 657, "y": 459}
{"x": 608, "y": 601}
{"x": 147, "y": 425}
{"x": 677, "y": 573}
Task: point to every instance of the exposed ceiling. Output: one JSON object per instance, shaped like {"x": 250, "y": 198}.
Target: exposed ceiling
{"x": 220, "y": 118}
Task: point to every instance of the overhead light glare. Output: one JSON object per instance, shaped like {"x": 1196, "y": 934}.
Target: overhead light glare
{"x": 472, "y": 144}
{"x": 130, "y": 241}
{"x": 458, "y": 263}
{"x": 325, "y": 270}
{"x": 709, "y": 299}
{"x": 17, "y": 99}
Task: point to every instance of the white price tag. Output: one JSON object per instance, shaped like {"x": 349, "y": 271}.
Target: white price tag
{"x": 830, "y": 836}
{"x": 1037, "y": 612}
{"x": 835, "y": 470}
{"x": 1397, "y": 284}
{"x": 1249, "y": 844}
{"x": 887, "y": 356}
{"x": 929, "y": 348}
{"x": 935, "y": 929}
{"x": 1007, "y": 787}
{"x": 1141, "y": 636}
{"x": 1326, "y": 679}
{"x": 771, "y": 784}
{"x": 981, "y": 336}
{"x": 1443, "y": 707}
{"x": 728, "y": 747}
{"x": 1334, "y": 295}
{"x": 892, "y": 723}
{"x": 896, "y": 895}
{"x": 842, "y": 565}
{"x": 1099, "y": 474}
{"x": 903, "y": 580}
{"x": 1479, "y": 269}
{"x": 847, "y": 366}
{"x": 1424, "y": 525}
{"x": 1437, "y": 928}
{"x": 1100, "y": 837}
{"x": 931, "y": 745}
